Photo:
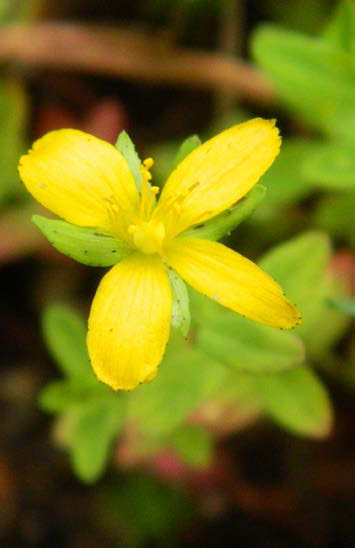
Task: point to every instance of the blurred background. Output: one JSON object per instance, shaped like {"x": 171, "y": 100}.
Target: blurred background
{"x": 247, "y": 435}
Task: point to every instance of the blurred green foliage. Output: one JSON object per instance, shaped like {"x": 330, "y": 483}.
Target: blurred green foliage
{"x": 315, "y": 79}
{"x": 227, "y": 360}
{"x": 255, "y": 363}
{"x": 143, "y": 509}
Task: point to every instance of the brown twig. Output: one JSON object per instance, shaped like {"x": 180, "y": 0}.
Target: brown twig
{"x": 129, "y": 54}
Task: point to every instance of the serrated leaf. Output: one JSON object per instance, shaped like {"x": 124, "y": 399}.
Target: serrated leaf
{"x": 297, "y": 400}
{"x": 94, "y": 430}
{"x": 331, "y": 165}
{"x": 340, "y": 30}
{"x": 227, "y": 221}
{"x": 126, "y": 146}
{"x": 85, "y": 245}
{"x": 193, "y": 444}
{"x": 347, "y": 306}
{"x": 64, "y": 333}
{"x": 186, "y": 147}
{"x": 180, "y": 312}
{"x": 313, "y": 77}
{"x": 186, "y": 378}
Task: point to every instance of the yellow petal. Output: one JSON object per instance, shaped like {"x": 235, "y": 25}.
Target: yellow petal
{"x": 219, "y": 172}
{"x": 79, "y": 177}
{"x": 232, "y": 280}
{"x": 130, "y": 321}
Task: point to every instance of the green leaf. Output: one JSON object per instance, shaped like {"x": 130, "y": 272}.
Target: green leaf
{"x": 65, "y": 335}
{"x": 238, "y": 397}
{"x": 193, "y": 444}
{"x": 185, "y": 149}
{"x": 249, "y": 346}
{"x": 313, "y": 77}
{"x": 126, "y": 146}
{"x": 340, "y": 30}
{"x": 241, "y": 343}
{"x": 323, "y": 326}
{"x": 95, "y": 428}
{"x": 85, "y": 245}
{"x": 284, "y": 181}
{"x": 297, "y": 400}
{"x": 299, "y": 266}
{"x": 227, "y": 221}
{"x": 331, "y": 165}
{"x": 60, "y": 396}
{"x": 335, "y": 214}
{"x": 347, "y": 306}
{"x": 67, "y": 395}
{"x": 180, "y": 312}
{"x": 186, "y": 378}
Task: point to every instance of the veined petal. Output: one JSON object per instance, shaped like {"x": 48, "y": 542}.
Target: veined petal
{"x": 129, "y": 322}
{"x": 218, "y": 173}
{"x": 232, "y": 281}
{"x": 81, "y": 178}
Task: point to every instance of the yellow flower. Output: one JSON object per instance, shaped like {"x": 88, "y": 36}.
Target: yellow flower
{"x": 88, "y": 182}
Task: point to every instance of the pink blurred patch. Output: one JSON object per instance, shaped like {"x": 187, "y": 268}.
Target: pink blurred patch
{"x": 54, "y": 116}
{"x": 106, "y": 119}
{"x": 168, "y": 465}
{"x": 342, "y": 266}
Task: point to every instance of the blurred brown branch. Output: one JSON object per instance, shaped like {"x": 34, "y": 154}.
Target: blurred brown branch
{"x": 129, "y": 54}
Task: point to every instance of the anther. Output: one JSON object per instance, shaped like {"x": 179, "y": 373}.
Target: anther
{"x": 148, "y": 163}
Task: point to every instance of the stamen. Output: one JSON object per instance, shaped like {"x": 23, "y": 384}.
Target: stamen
{"x": 148, "y": 163}
{"x": 148, "y": 192}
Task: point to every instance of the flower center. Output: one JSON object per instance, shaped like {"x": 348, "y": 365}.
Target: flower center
{"x": 148, "y": 237}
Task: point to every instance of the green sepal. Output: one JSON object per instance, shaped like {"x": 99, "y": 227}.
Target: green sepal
{"x": 126, "y": 147}
{"x": 186, "y": 148}
{"x": 227, "y": 221}
{"x": 85, "y": 245}
{"x": 180, "y": 311}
